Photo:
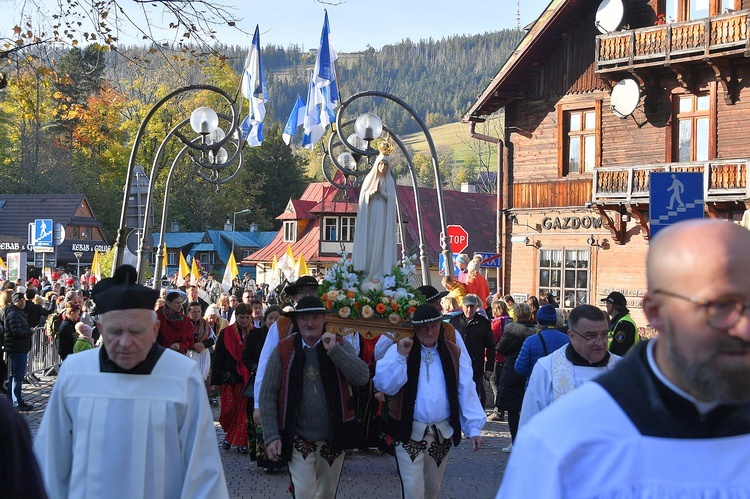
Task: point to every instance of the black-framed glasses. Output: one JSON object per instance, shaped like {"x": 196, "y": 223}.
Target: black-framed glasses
{"x": 720, "y": 314}
{"x": 591, "y": 337}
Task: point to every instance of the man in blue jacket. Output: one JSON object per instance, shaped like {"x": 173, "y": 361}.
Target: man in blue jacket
{"x": 539, "y": 345}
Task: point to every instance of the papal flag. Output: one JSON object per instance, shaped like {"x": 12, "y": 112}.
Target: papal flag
{"x": 165, "y": 262}
{"x": 229, "y": 273}
{"x": 195, "y": 274}
{"x": 184, "y": 268}
{"x": 96, "y": 267}
{"x": 300, "y": 268}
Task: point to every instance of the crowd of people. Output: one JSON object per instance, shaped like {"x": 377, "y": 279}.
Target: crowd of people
{"x": 580, "y": 391}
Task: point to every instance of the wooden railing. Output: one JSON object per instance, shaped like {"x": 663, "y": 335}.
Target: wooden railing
{"x": 725, "y": 180}
{"x": 673, "y": 42}
{"x": 552, "y": 193}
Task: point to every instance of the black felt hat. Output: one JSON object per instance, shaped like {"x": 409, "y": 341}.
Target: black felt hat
{"x": 425, "y": 314}
{"x": 120, "y": 292}
{"x": 431, "y": 293}
{"x": 309, "y": 305}
{"x": 305, "y": 280}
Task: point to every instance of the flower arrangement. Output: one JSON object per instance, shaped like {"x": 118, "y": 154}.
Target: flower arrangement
{"x": 394, "y": 299}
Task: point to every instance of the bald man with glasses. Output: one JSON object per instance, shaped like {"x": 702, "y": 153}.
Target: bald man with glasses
{"x": 673, "y": 418}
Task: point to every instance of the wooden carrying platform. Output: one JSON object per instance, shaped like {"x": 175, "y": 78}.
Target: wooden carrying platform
{"x": 367, "y": 328}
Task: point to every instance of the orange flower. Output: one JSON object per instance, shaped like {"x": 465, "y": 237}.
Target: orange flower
{"x": 324, "y": 297}
{"x": 395, "y": 306}
{"x": 329, "y": 304}
{"x": 357, "y": 305}
{"x": 350, "y": 294}
{"x": 411, "y": 310}
{"x": 380, "y": 308}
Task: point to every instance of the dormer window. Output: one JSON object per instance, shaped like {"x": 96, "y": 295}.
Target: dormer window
{"x": 290, "y": 232}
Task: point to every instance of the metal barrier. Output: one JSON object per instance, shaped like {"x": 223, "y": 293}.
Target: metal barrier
{"x": 43, "y": 357}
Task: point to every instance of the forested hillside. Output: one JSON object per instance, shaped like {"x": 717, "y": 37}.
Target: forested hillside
{"x": 439, "y": 78}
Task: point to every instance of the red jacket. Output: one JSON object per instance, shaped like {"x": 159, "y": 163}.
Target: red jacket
{"x": 171, "y": 332}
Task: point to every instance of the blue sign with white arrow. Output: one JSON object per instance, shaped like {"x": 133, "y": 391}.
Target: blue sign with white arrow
{"x": 674, "y": 197}
{"x": 43, "y": 232}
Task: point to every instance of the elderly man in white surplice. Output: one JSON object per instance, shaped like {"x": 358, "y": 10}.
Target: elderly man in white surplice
{"x": 374, "y": 250}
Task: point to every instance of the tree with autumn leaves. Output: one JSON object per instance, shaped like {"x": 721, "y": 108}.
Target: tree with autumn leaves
{"x": 71, "y": 128}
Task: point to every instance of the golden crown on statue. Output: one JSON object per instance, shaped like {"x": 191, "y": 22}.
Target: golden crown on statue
{"x": 385, "y": 147}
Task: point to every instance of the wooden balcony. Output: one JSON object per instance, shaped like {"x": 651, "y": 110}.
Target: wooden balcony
{"x": 672, "y": 43}
{"x": 552, "y": 193}
{"x": 723, "y": 181}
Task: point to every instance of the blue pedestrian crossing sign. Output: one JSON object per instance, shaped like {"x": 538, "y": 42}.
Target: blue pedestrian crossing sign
{"x": 43, "y": 232}
{"x": 674, "y": 196}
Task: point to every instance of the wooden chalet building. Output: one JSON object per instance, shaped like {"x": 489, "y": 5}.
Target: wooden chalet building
{"x": 322, "y": 221}
{"x": 575, "y": 175}
{"x": 83, "y": 232}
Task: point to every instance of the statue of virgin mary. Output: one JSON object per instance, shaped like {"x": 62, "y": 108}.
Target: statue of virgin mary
{"x": 374, "y": 251}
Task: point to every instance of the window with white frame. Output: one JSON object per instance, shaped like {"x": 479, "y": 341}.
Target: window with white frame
{"x": 565, "y": 274}
{"x": 338, "y": 229}
{"x": 693, "y": 120}
{"x": 330, "y": 228}
{"x": 347, "y": 228}
{"x": 290, "y": 232}
{"x": 581, "y": 133}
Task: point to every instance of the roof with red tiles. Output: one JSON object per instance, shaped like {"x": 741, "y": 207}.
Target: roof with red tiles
{"x": 475, "y": 212}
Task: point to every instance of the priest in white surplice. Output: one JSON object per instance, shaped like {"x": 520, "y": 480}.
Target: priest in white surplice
{"x": 570, "y": 366}
{"x": 672, "y": 419}
{"x": 130, "y": 419}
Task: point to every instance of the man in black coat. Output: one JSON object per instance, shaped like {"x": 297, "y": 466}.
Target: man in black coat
{"x": 477, "y": 335}
{"x": 17, "y": 344}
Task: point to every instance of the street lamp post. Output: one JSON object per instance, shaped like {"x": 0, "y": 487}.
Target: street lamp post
{"x": 78, "y": 256}
{"x": 206, "y": 150}
{"x": 234, "y": 222}
{"x": 367, "y": 128}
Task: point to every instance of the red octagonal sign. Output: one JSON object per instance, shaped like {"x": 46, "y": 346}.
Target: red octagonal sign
{"x": 459, "y": 238}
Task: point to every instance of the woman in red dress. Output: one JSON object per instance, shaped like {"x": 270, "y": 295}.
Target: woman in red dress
{"x": 230, "y": 374}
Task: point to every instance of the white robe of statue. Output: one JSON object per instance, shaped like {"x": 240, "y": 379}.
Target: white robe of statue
{"x": 374, "y": 250}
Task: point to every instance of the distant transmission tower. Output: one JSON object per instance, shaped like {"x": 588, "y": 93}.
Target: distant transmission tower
{"x": 518, "y": 14}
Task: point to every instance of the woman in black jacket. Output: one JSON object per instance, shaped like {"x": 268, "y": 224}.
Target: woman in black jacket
{"x": 511, "y": 386}
{"x": 66, "y": 334}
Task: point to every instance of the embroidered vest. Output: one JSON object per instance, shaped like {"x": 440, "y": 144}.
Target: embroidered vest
{"x": 401, "y": 405}
{"x": 337, "y": 391}
{"x": 564, "y": 374}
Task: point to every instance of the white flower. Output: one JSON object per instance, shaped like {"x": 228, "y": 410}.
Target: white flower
{"x": 389, "y": 292}
{"x": 367, "y": 312}
{"x": 344, "y": 312}
{"x": 393, "y": 318}
{"x": 331, "y": 277}
{"x": 400, "y": 293}
{"x": 389, "y": 282}
{"x": 352, "y": 282}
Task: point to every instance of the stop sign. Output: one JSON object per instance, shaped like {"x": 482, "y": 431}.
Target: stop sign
{"x": 459, "y": 238}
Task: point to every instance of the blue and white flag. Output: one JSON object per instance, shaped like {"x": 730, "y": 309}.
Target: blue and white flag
{"x": 323, "y": 96}
{"x": 296, "y": 118}
{"x": 254, "y": 90}
{"x": 315, "y": 121}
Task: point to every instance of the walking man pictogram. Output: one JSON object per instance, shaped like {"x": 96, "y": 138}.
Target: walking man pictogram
{"x": 677, "y": 189}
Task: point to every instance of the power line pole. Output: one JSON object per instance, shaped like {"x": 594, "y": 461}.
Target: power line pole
{"x": 518, "y": 14}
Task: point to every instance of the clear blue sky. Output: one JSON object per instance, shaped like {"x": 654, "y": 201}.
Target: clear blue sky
{"x": 354, "y": 23}
{"x": 357, "y": 23}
